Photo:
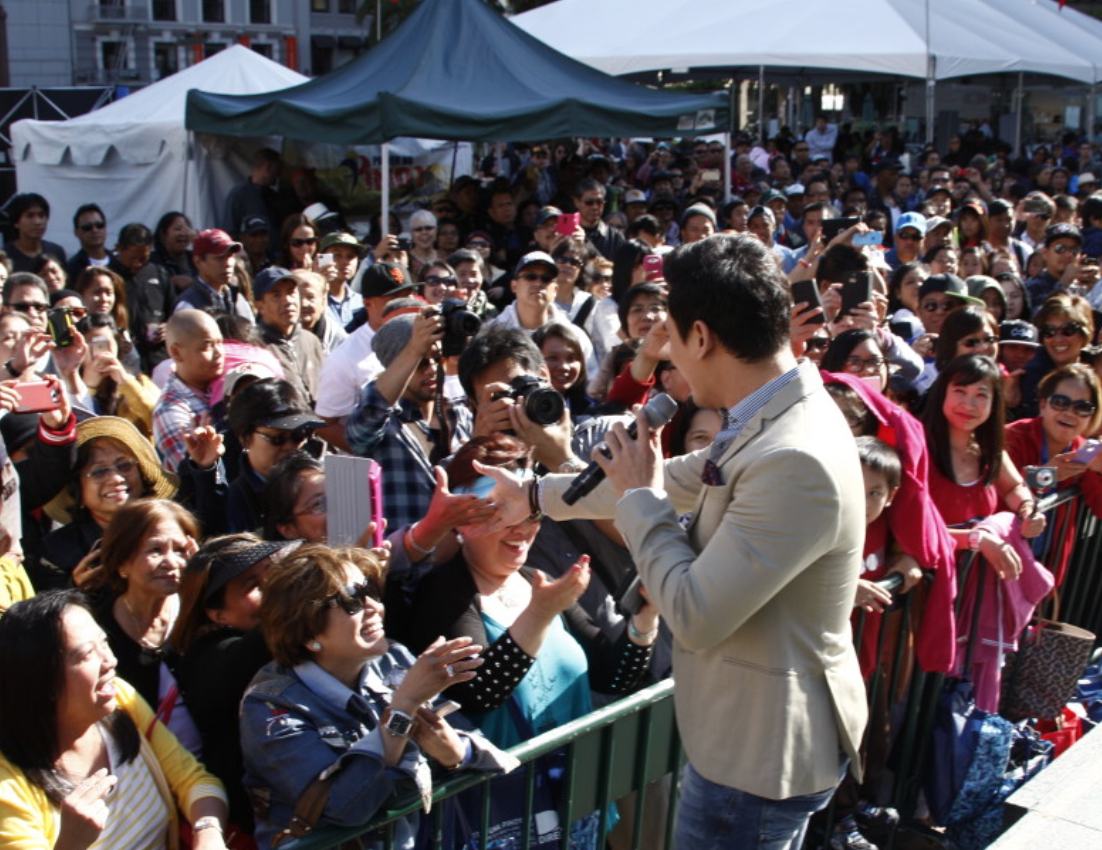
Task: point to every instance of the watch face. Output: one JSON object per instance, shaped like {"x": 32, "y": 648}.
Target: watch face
{"x": 399, "y": 724}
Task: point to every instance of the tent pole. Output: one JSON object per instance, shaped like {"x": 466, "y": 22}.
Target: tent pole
{"x": 1092, "y": 97}
{"x": 1018, "y": 114}
{"x": 384, "y": 213}
{"x": 730, "y": 131}
{"x": 761, "y": 103}
{"x": 727, "y": 165}
{"x": 930, "y": 80}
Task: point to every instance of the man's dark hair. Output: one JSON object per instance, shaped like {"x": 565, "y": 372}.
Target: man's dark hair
{"x": 135, "y": 234}
{"x": 86, "y": 208}
{"x": 1091, "y": 209}
{"x": 588, "y": 184}
{"x": 492, "y": 345}
{"x": 640, "y": 290}
{"x": 261, "y": 400}
{"x": 879, "y": 457}
{"x": 1001, "y": 207}
{"x": 732, "y": 284}
{"x": 644, "y": 224}
{"x": 262, "y": 156}
{"x": 18, "y": 205}
{"x": 463, "y": 255}
{"x": 838, "y": 262}
{"x": 24, "y": 279}
{"x": 820, "y": 206}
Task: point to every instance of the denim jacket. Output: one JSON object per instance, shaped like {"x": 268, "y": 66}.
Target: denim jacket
{"x": 295, "y": 724}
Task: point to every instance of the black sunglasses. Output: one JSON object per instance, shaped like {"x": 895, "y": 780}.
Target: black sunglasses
{"x": 352, "y": 598}
{"x": 1068, "y": 329}
{"x": 298, "y": 437}
{"x": 92, "y": 225}
{"x": 298, "y": 243}
{"x": 1060, "y": 403}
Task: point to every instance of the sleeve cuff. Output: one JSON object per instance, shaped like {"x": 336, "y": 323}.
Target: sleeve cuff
{"x": 202, "y": 792}
{"x": 67, "y": 434}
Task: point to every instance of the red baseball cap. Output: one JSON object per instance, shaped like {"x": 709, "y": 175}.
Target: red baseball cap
{"x": 214, "y": 241}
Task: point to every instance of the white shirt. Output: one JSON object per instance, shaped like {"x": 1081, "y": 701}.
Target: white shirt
{"x": 346, "y": 371}
{"x": 509, "y": 319}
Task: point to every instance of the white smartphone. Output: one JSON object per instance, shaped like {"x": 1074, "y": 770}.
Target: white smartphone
{"x": 324, "y": 260}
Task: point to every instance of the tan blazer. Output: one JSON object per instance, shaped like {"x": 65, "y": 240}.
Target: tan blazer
{"x": 758, "y": 593}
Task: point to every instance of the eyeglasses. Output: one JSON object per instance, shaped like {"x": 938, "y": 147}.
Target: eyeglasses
{"x": 123, "y": 468}
{"x": 317, "y": 507}
{"x": 979, "y": 341}
{"x": 437, "y": 280}
{"x": 592, "y": 202}
{"x": 568, "y": 261}
{"x": 542, "y": 278}
{"x": 818, "y": 343}
{"x": 647, "y": 310}
{"x": 92, "y": 225}
{"x": 352, "y": 598}
{"x": 946, "y": 306}
{"x": 1065, "y": 249}
{"x": 860, "y": 364}
{"x": 297, "y": 437}
{"x": 298, "y": 243}
{"x": 1068, "y": 329}
{"x": 478, "y": 243}
{"x": 423, "y": 228}
{"x": 1060, "y": 403}
{"x": 30, "y": 306}
{"x": 76, "y": 312}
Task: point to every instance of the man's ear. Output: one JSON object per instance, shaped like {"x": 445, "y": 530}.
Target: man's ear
{"x": 701, "y": 340}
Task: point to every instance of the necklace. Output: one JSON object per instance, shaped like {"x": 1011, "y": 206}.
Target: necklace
{"x": 159, "y": 625}
{"x": 509, "y": 596}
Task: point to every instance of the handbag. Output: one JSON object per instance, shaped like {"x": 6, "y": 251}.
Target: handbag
{"x": 309, "y": 808}
{"x": 1040, "y": 678}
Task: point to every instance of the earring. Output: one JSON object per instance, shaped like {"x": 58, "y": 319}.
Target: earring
{"x": 124, "y": 574}
{"x": 314, "y": 646}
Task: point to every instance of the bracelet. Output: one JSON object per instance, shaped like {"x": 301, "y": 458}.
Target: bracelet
{"x": 638, "y": 635}
{"x": 535, "y": 514}
{"x": 805, "y": 264}
{"x": 1030, "y": 506}
{"x": 413, "y": 542}
{"x": 208, "y": 822}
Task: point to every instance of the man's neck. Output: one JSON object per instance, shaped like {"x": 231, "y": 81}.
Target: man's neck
{"x": 29, "y": 246}
{"x": 531, "y": 318}
{"x": 200, "y": 387}
{"x": 99, "y": 253}
{"x": 337, "y": 290}
{"x": 217, "y": 287}
{"x": 565, "y": 298}
{"x": 744, "y": 379}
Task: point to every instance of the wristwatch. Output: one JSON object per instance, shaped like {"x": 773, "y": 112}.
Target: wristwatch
{"x": 398, "y": 723}
{"x": 572, "y": 465}
{"x": 208, "y": 822}
{"x": 974, "y": 538}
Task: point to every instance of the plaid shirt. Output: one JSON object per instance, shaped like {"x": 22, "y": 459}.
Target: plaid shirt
{"x": 382, "y": 431}
{"x": 177, "y": 413}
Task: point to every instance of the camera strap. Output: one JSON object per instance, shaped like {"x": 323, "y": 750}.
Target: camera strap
{"x": 442, "y": 446}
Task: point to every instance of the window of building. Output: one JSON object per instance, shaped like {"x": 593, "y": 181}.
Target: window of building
{"x": 214, "y": 11}
{"x": 164, "y": 10}
{"x": 319, "y": 5}
{"x": 260, "y": 11}
{"x": 212, "y": 47}
{"x": 346, "y": 7}
{"x": 113, "y": 55}
{"x": 166, "y": 60}
{"x": 263, "y": 49}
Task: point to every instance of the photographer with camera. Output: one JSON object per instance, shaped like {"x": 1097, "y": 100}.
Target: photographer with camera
{"x": 396, "y": 420}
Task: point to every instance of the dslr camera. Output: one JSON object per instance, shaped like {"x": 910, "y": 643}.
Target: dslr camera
{"x": 460, "y": 324}
{"x": 542, "y": 403}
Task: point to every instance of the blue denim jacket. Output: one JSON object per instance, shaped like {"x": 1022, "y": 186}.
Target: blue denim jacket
{"x": 295, "y": 724}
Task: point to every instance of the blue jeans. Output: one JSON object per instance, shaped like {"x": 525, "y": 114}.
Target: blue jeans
{"x": 716, "y": 817}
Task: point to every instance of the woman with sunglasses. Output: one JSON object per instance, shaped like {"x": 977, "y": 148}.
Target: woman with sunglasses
{"x": 1071, "y": 409}
{"x": 438, "y": 281}
{"x": 298, "y": 243}
{"x": 971, "y": 330}
{"x": 339, "y": 690}
{"x": 270, "y": 420}
{"x": 1066, "y": 326}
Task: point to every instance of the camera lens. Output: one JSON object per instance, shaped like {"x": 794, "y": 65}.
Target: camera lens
{"x": 544, "y": 406}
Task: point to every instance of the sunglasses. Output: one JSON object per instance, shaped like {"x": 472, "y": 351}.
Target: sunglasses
{"x": 593, "y": 202}
{"x": 940, "y": 306}
{"x": 1068, "y": 329}
{"x": 908, "y": 237}
{"x": 30, "y": 306}
{"x": 76, "y": 312}
{"x": 1065, "y": 249}
{"x": 437, "y": 280}
{"x": 297, "y": 437}
{"x": 979, "y": 341}
{"x": 568, "y": 261}
{"x": 93, "y": 225}
{"x": 542, "y": 278}
{"x": 423, "y": 228}
{"x": 1060, "y": 403}
{"x": 298, "y": 243}
{"x": 604, "y": 278}
{"x": 123, "y": 468}
{"x": 352, "y": 598}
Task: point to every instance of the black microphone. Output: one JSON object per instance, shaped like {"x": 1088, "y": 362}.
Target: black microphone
{"x": 659, "y": 411}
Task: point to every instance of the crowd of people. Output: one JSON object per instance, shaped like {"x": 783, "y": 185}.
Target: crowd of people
{"x": 182, "y": 644}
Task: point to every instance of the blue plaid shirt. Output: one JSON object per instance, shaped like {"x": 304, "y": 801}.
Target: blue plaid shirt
{"x": 178, "y": 412}
{"x": 383, "y": 432}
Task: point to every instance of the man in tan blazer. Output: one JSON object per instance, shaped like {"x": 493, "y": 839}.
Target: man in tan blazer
{"x": 758, "y": 590}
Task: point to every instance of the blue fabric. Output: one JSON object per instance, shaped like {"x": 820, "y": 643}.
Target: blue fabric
{"x": 554, "y": 691}
{"x": 716, "y": 817}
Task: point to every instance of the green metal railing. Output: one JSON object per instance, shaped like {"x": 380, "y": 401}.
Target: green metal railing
{"x": 610, "y": 753}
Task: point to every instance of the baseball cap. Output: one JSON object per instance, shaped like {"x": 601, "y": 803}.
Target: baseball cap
{"x": 226, "y": 566}
{"x": 950, "y": 284}
{"x": 1063, "y": 230}
{"x": 255, "y": 224}
{"x": 770, "y": 195}
{"x": 385, "y": 279}
{"x": 795, "y": 190}
{"x": 547, "y": 213}
{"x": 214, "y": 242}
{"x": 536, "y": 257}
{"x": 269, "y": 277}
{"x": 1019, "y": 332}
{"x": 332, "y": 239}
{"x": 634, "y": 196}
{"x": 290, "y": 419}
{"x": 913, "y": 220}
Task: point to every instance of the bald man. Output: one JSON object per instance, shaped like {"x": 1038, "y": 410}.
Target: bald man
{"x": 195, "y": 346}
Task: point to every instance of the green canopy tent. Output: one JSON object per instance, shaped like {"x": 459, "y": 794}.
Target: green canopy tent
{"x": 456, "y": 70}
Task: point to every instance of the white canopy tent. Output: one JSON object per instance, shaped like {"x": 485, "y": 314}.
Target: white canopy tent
{"x": 896, "y": 37}
{"x": 134, "y": 157}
